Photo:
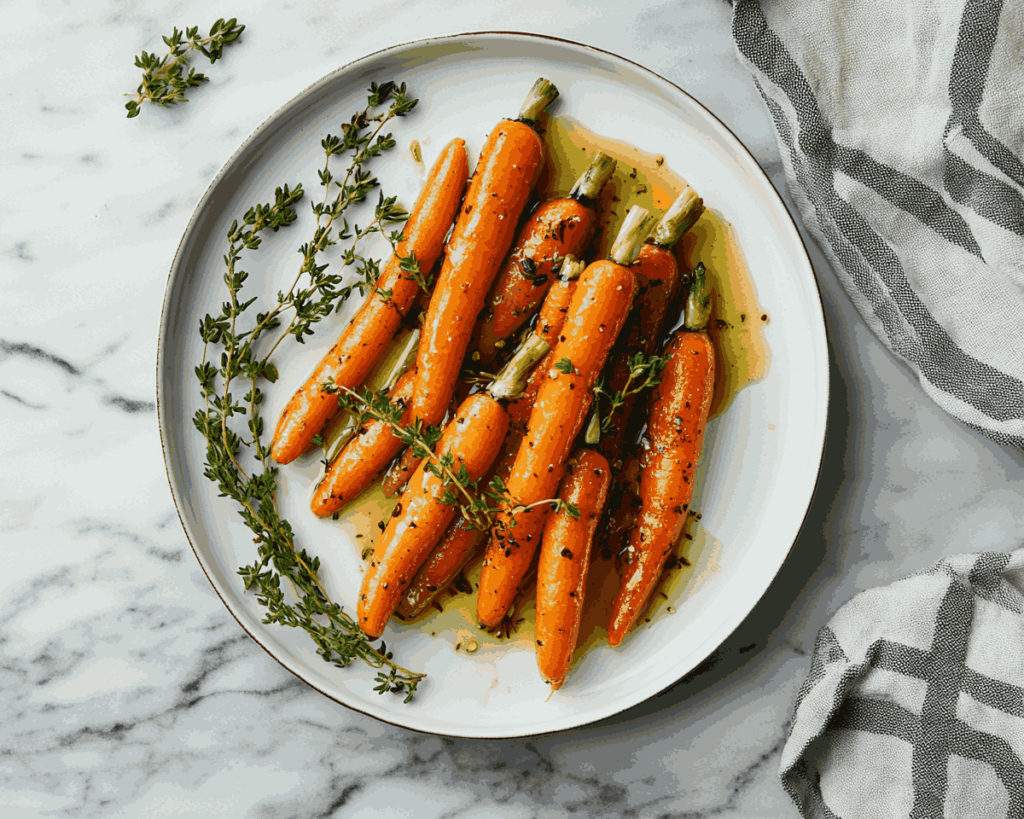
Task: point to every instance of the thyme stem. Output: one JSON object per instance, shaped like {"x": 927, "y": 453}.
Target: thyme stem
{"x": 338, "y": 638}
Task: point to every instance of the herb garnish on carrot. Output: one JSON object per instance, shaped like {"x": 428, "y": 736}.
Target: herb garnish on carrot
{"x": 596, "y": 315}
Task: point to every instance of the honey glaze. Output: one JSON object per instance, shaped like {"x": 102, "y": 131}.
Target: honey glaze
{"x": 737, "y": 321}
{"x": 742, "y": 357}
{"x": 647, "y": 180}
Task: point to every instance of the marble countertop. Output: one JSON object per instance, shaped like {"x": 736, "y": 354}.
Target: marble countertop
{"x": 127, "y": 689}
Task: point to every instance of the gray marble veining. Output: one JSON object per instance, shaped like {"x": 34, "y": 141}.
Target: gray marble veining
{"x": 126, "y": 689}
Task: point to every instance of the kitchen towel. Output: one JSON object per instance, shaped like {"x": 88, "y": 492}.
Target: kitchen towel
{"x": 901, "y": 127}
{"x": 914, "y": 705}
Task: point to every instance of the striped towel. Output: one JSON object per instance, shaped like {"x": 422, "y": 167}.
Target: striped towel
{"x": 914, "y": 706}
{"x": 901, "y": 126}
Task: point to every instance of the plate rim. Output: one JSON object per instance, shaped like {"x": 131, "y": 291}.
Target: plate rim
{"x": 175, "y": 272}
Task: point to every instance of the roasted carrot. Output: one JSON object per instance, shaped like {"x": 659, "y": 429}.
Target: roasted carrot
{"x": 659, "y": 282}
{"x": 363, "y": 340}
{"x": 461, "y": 541}
{"x": 556, "y": 303}
{"x": 506, "y": 173}
{"x": 657, "y": 275}
{"x": 678, "y": 417}
{"x": 364, "y": 456}
{"x": 556, "y": 228}
{"x": 548, "y": 328}
{"x": 549, "y": 324}
{"x": 472, "y": 440}
{"x": 564, "y": 560}
{"x": 399, "y": 474}
{"x": 596, "y": 315}
{"x": 505, "y": 176}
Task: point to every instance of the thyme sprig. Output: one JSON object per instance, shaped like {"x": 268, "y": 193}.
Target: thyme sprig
{"x": 644, "y": 374}
{"x": 337, "y": 636}
{"x": 363, "y": 137}
{"x": 478, "y": 504}
{"x": 164, "y": 81}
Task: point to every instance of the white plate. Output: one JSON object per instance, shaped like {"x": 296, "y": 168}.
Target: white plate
{"x": 764, "y": 453}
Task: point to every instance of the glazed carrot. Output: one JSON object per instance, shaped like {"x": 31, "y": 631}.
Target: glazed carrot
{"x": 548, "y": 328}
{"x": 549, "y": 325}
{"x": 473, "y": 439}
{"x": 657, "y": 275}
{"x": 596, "y": 315}
{"x": 563, "y": 564}
{"x": 505, "y": 175}
{"x": 363, "y": 340}
{"x": 556, "y": 228}
{"x": 556, "y": 304}
{"x": 659, "y": 280}
{"x": 678, "y": 417}
{"x": 460, "y": 542}
{"x": 363, "y": 457}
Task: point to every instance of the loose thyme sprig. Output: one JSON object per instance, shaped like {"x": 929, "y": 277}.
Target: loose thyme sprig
{"x": 164, "y": 80}
{"x": 338, "y": 638}
{"x": 479, "y": 505}
{"x": 644, "y": 374}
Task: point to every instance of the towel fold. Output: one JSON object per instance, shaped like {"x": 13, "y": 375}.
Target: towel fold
{"x": 914, "y": 705}
{"x": 901, "y": 127}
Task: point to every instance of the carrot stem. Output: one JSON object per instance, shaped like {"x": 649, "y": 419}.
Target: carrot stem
{"x": 589, "y": 185}
{"x": 593, "y": 434}
{"x": 635, "y": 229}
{"x": 570, "y": 269}
{"x": 511, "y": 381}
{"x": 540, "y": 97}
{"x": 679, "y": 218}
